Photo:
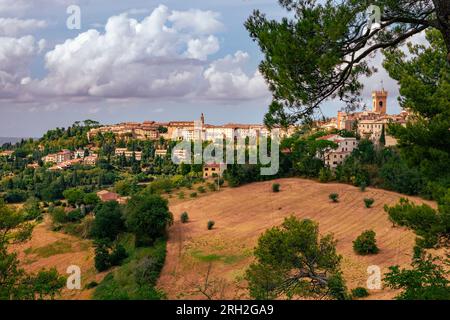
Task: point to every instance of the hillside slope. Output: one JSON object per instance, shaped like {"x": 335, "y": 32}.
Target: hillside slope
{"x": 242, "y": 214}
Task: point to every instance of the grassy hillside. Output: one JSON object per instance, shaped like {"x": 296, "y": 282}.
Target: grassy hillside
{"x": 242, "y": 214}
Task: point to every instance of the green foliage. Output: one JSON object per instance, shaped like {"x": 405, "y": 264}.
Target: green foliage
{"x": 31, "y": 209}
{"x": 400, "y": 177}
{"x": 148, "y": 217}
{"x": 276, "y": 187}
{"x": 74, "y": 196}
{"x": 75, "y": 215}
{"x": 325, "y": 175}
{"x": 201, "y": 189}
{"x": 159, "y": 186}
{"x": 294, "y": 261}
{"x": 107, "y": 257}
{"x": 368, "y": 202}
{"x": 360, "y": 292}
{"x": 58, "y": 215}
{"x": 366, "y": 243}
{"x": 314, "y": 53}
{"x": 193, "y": 195}
{"x": 426, "y": 280}
{"x": 424, "y": 78}
{"x": 184, "y": 218}
{"x": 334, "y": 197}
{"x": 108, "y": 222}
{"x": 15, "y": 196}
{"x": 136, "y": 279}
{"x": 126, "y": 187}
{"x": 210, "y": 224}
{"x": 428, "y": 223}
{"x": 16, "y": 284}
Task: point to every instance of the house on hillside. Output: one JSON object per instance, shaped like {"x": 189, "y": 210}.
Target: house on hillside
{"x": 334, "y": 157}
{"x": 106, "y": 196}
{"x": 214, "y": 169}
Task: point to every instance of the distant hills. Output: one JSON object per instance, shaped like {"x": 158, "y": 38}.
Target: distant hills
{"x": 11, "y": 140}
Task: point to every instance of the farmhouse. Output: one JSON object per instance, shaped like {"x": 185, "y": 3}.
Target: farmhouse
{"x": 214, "y": 169}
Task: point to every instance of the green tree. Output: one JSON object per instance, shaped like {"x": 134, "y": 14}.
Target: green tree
{"x": 424, "y": 79}
{"x": 366, "y": 243}
{"x": 148, "y": 217}
{"x": 108, "y": 222}
{"x": 74, "y": 196}
{"x": 321, "y": 50}
{"x": 293, "y": 260}
{"x": 426, "y": 280}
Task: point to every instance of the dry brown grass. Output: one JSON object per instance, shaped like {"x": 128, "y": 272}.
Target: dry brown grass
{"x": 242, "y": 214}
{"x": 49, "y": 249}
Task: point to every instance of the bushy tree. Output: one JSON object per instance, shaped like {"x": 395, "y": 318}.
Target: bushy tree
{"x": 429, "y": 224}
{"x": 148, "y": 217}
{"x": 424, "y": 79}
{"x": 366, "y": 243}
{"x": 109, "y": 221}
{"x": 426, "y": 280}
{"x": 294, "y": 261}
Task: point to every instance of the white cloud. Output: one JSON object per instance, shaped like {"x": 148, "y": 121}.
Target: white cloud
{"x": 201, "y": 48}
{"x": 15, "y": 27}
{"x": 163, "y": 56}
{"x": 227, "y": 80}
{"x": 198, "y": 21}
{"x": 15, "y": 58}
{"x": 18, "y": 7}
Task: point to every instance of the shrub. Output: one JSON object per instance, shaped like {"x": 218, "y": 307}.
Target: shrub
{"x": 325, "y": 175}
{"x": 193, "y": 195}
{"x": 104, "y": 259}
{"x": 428, "y": 223}
{"x": 368, "y": 202}
{"x": 184, "y": 217}
{"x": 15, "y": 196}
{"x": 181, "y": 195}
{"x": 276, "y": 187}
{"x": 211, "y": 224}
{"x": 366, "y": 243}
{"x": 201, "y": 189}
{"x": 334, "y": 197}
{"x": 360, "y": 292}
{"x": 118, "y": 255}
{"x": 58, "y": 215}
{"x": 211, "y": 186}
{"x": 75, "y": 215}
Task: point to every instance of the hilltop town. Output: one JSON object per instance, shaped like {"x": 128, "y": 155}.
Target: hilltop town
{"x": 371, "y": 125}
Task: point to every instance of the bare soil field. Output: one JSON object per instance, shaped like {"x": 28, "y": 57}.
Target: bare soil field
{"x": 48, "y": 249}
{"x": 243, "y": 214}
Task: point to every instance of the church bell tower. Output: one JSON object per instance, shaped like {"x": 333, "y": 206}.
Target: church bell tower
{"x": 379, "y": 99}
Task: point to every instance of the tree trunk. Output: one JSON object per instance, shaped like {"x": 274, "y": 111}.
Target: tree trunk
{"x": 443, "y": 17}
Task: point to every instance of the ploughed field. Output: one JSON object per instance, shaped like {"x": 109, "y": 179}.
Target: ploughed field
{"x": 242, "y": 214}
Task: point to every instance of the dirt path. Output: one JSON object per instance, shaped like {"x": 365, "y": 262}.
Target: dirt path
{"x": 242, "y": 214}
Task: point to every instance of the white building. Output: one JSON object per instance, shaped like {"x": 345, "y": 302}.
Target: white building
{"x": 334, "y": 157}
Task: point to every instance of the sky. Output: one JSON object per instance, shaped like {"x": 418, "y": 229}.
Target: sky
{"x": 134, "y": 61}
